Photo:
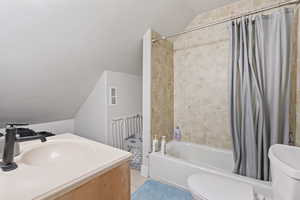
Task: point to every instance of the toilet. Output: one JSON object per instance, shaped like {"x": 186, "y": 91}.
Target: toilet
{"x": 285, "y": 169}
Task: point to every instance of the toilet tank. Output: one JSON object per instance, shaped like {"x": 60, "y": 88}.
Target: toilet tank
{"x": 285, "y": 172}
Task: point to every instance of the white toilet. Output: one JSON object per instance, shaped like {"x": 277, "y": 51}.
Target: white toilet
{"x": 285, "y": 167}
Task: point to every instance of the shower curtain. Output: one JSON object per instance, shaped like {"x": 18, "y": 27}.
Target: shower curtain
{"x": 259, "y": 89}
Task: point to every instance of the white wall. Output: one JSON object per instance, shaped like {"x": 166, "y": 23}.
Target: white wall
{"x": 93, "y": 119}
{"x": 56, "y": 127}
{"x": 90, "y": 120}
{"x": 129, "y": 96}
{"x": 147, "y": 48}
{"x": 51, "y": 49}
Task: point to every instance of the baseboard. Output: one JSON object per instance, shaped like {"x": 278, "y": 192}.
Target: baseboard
{"x": 145, "y": 171}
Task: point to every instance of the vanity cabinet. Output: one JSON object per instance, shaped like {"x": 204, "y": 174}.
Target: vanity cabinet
{"x": 113, "y": 184}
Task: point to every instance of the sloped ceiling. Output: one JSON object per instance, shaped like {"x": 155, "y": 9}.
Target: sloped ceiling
{"x": 53, "y": 51}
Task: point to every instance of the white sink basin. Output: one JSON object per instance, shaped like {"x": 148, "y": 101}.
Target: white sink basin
{"x": 58, "y": 153}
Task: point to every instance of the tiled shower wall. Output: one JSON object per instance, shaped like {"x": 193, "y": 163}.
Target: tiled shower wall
{"x": 162, "y": 95}
{"x": 201, "y": 78}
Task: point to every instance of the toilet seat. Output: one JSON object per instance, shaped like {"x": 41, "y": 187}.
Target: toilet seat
{"x": 214, "y": 187}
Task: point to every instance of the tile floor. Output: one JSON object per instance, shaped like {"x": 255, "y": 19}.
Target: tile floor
{"x": 136, "y": 180}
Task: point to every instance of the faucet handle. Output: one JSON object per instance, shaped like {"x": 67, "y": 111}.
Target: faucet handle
{"x": 11, "y": 125}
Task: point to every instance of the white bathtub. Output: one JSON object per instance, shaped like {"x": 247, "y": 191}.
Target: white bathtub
{"x": 184, "y": 159}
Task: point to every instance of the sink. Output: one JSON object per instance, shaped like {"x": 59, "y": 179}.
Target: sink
{"x": 63, "y": 162}
{"x": 58, "y": 153}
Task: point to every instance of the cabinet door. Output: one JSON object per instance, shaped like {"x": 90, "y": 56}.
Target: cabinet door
{"x": 112, "y": 185}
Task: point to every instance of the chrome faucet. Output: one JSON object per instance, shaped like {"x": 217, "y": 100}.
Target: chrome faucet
{"x": 11, "y": 138}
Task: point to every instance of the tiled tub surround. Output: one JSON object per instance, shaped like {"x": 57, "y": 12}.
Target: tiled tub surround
{"x": 162, "y": 95}
{"x": 201, "y": 61}
{"x": 201, "y": 78}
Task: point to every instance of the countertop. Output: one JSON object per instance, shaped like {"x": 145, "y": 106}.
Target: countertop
{"x": 29, "y": 182}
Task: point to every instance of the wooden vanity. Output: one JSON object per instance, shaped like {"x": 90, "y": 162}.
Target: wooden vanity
{"x": 111, "y": 185}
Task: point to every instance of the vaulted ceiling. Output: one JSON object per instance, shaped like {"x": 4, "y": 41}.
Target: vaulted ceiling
{"x": 52, "y": 52}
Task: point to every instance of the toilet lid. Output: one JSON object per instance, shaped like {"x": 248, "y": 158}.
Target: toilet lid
{"x": 215, "y": 187}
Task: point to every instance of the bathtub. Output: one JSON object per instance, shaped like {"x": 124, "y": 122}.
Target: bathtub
{"x": 184, "y": 159}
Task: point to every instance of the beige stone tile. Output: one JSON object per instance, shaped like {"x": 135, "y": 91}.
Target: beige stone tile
{"x": 202, "y": 106}
{"x": 200, "y": 61}
{"x": 264, "y": 3}
{"x": 162, "y": 89}
{"x": 240, "y": 7}
{"x": 201, "y": 77}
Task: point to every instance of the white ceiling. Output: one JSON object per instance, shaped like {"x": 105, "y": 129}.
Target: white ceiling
{"x": 53, "y": 51}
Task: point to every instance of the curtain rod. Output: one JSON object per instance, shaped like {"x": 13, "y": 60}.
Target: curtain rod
{"x": 196, "y": 28}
